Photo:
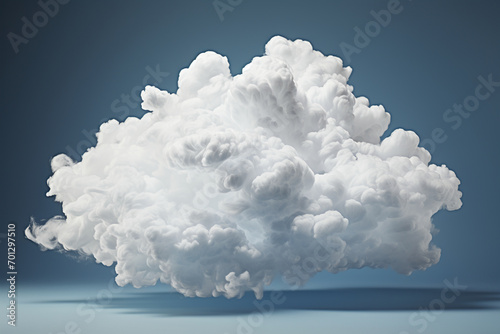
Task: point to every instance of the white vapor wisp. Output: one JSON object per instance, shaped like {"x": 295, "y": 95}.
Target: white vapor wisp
{"x": 235, "y": 180}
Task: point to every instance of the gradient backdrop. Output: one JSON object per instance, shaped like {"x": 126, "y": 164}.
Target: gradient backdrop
{"x": 71, "y": 76}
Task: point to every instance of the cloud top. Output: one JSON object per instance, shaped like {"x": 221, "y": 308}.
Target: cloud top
{"x": 232, "y": 181}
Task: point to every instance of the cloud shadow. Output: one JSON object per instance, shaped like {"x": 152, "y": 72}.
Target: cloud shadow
{"x": 352, "y": 299}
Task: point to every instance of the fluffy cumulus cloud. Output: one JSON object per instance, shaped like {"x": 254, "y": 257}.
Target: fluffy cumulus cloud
{"x": 235, "y": 180}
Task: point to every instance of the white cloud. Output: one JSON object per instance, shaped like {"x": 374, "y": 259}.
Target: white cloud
{"x": 234, "y": 180}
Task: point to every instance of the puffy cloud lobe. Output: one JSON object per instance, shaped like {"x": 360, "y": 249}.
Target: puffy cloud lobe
{"x": 235, "y": 180}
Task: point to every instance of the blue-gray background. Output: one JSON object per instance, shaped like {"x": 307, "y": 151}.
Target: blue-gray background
{"x": 62, "y": 84}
